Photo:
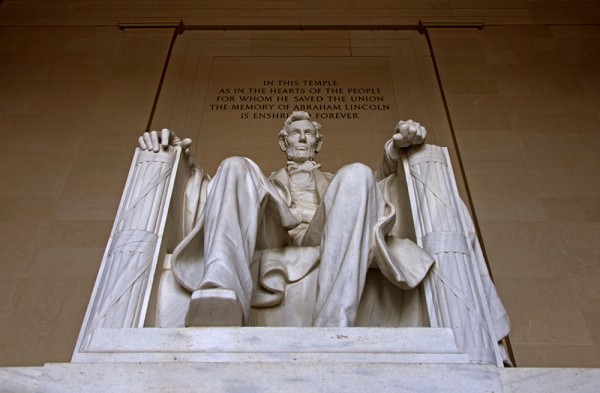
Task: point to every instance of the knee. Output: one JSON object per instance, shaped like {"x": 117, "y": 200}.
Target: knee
{"x": 233, "y": 162}
{"x": 234, "y": 165}
{"x": 355, "y": 178}
{"x": 357, "y": 172}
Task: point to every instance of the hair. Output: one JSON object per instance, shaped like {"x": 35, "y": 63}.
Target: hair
{"x": 295, "y": 116}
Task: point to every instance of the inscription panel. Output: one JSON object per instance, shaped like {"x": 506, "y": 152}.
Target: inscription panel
{"x": 248, "y": 99}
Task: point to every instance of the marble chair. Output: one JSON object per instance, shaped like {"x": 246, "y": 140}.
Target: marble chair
{"x": 136, "y": 286}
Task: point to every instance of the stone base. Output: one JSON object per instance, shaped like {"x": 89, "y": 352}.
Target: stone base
{"x": 293, "y": 377}
{"x": 283, "y": 360}
{"x": 260, "y": 344}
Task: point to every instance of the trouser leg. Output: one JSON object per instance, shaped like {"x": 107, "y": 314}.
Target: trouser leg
{"x": 234, "y": 209}
{"x": 348, "y": 213}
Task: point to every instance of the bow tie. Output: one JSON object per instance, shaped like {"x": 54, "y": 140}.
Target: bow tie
{"x": 307, "y": 166}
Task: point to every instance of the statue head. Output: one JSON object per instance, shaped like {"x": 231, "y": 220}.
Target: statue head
{"x": 300, "y": 137}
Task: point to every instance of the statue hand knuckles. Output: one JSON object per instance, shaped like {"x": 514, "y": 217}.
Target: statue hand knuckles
{"x": 409, "y": 133}
{"x": 155, "y": 140}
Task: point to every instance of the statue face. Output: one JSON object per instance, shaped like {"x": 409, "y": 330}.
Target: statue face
{"x": 301, "y": 141}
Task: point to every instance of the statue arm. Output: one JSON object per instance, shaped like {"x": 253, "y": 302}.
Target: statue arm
{"x": 407, "y": 134}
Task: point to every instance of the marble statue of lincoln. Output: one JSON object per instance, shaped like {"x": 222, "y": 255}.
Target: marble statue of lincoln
{"x": 345, "y": 215}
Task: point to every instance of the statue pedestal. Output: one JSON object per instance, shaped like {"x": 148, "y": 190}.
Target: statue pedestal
{"x": 293, "y": 376}
{"x": 264, "y": 345}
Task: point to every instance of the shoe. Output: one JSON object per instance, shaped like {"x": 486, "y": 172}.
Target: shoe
{"x": 214, "y": 307}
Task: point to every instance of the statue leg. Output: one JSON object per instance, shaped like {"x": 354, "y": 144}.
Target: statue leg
{"x": 349, "y": 211}
{"x": 236, "y": 201}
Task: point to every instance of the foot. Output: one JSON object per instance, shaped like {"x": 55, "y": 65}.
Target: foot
{"x": 214, "y": 307}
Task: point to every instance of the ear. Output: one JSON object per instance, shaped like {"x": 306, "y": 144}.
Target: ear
{"x": 282, "y": 144}
{"x": 319, "y": 144}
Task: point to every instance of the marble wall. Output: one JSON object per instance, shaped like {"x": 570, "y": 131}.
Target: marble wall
{"x": 522, "y": 101}
{"x": 72, "y": 103}
{"x": 525, "y": 106}
{"x": 204, "y": 62}
{"x": 298, "y": 13}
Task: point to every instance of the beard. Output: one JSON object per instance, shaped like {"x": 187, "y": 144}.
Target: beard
{"x": 300, "y": 154}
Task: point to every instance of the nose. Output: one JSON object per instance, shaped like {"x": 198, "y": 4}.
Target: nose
{"x": 302, "y": 136}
